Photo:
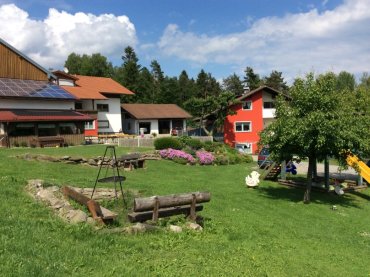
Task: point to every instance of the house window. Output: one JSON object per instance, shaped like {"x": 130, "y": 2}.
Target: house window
{"x": 247, "y": 105}
{"x": 145, "y": 126}
{"x": 243, "y": 126}
{"x": 103, "y": 124}
{"x": 89, "y": 125}
{"x": 78, "y": 106}
{"x": 102, "y": 107}
{"x": 269, "y": 105}
{"x": 67, "y": 128}
{"x": 47, "y": 130}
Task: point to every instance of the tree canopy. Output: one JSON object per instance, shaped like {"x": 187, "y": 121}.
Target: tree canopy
{"x": 90, "y": 65}
{"x": 318, "y": 121}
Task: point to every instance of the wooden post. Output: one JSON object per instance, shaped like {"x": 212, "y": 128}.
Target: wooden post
{"x": 193, "y": 215}
{"x": 155, "y": 210}
{"x": 327, "y": 173}
{"x": 360, "y": 180}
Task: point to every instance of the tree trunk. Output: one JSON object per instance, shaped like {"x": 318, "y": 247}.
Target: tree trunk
{"x": 307, "y": 194}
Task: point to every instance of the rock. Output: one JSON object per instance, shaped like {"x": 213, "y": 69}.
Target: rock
{"x": 175, "y": 229}
{"x": 65, "y": 158}
{"x": 69, "y": 162}
{"x": 92, "y": 162}
{"x": 76, "y": 216}
{"x": 64, "y": 211}
{"x": 90, "y": 220}
{"x": 45, "y": 195}
{"x": 53, "y": 188}
{"x": 37, "y": 183}
{"x": 58, "y": 204}
{"x": 140, "y": 228}
{"x": 194, "y": 226}
{"x": 76, "y": 159}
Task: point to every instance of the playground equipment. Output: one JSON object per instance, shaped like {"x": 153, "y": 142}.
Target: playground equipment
{"x": 360, "y": 166}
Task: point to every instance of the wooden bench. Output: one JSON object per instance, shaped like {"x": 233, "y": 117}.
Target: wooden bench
{"x": 98, "y": 212}
{"x": 131, "y": 161}
{"x": 49, "y": 141}
{"x": 163, "y": 206}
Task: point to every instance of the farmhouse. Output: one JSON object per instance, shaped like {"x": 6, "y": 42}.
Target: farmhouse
{"x": 32, "y": 106}
{"x": 255, "y": 111}
{"x": 161, "y": 119}
{"x": 98, "y": 97}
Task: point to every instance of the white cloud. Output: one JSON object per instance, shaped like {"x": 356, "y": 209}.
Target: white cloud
{"x": 335, "y": 39}
{"x": 49, "y": 41}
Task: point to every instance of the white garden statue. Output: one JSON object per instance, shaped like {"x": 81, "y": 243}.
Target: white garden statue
{"x": 253, "y": 179}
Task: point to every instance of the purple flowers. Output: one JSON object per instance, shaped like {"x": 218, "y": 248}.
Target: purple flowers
{"x": 173, "y": 153}
{"x": 203, "y": 157}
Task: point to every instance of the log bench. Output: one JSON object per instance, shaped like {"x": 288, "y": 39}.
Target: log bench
{"x": 131, "y": 161}
{"x": 163, "y": 206}
{"x": 98, "y": 212}
{"x": 49, "y": 141}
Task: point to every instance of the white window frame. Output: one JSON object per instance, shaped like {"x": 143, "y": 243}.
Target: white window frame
{"x": 245, "y": 102}
{"x": 102, "y": 122}
{"x": 90, "y": 125}
{"x": 102, "y": 107}
{"x": 243, "y": 129}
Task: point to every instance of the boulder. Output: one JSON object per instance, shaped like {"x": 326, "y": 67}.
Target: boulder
{"x": 175, "y": 229}
{"x": 76, "y": 216}
{"x": 194, "y": 226}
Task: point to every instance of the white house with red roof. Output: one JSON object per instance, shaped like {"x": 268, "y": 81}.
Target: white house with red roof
{"x": 32, "y": 105}
{"x": 161, "y": 119}
{"x": 99, "y": 97}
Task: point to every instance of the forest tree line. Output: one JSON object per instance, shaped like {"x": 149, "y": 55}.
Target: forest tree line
{"x": 198, "y": 96}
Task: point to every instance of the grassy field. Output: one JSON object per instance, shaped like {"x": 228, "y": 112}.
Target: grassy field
{"x": 247, "y": 232}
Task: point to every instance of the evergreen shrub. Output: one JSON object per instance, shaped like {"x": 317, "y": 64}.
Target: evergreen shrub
{"x": 167, "y": 142}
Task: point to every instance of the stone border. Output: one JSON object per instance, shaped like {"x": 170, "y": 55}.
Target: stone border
{"x": 53, "y": 198}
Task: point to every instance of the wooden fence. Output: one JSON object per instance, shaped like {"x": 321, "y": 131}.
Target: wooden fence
{"x": 149, "y": 142}
{"x": 28, "y": 141}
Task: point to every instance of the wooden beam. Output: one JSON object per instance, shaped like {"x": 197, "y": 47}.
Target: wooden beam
{"x": 143, "y": 216}
{"x": 97, "y": 211}
{"x": 148, "y": 203}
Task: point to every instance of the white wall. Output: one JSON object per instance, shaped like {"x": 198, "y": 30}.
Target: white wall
{"x": 2, "y": 131}
{"x": 113, "y": 116}
{"x": 153, "y": 125}
{"x": 268, "y": 113}
{"x": 36, "y": 104}
{"x": 65, "y": 82}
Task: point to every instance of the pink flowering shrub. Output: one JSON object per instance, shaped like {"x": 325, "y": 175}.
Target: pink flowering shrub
{"x": 205, "y": 158}
{"x": 173, "y": 154}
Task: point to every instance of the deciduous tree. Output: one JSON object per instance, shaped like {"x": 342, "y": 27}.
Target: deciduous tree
{"x": 317, "y": 122}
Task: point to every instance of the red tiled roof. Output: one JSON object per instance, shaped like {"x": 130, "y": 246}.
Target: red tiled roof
{"x": 155, "y": 111}
{"x": 89, "y": 87}
{"x": 18, "y": 115}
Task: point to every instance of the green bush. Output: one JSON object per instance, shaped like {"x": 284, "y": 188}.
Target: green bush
{"x": 180, "y": 160}
{"x": 167, "y": 142}
{"x": 211, "y": 146}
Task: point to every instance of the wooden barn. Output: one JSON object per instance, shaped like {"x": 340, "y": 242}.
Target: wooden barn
{"x": 34, "y": 110}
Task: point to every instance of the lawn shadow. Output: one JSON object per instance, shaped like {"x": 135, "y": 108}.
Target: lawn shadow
{"x": 317, "y": 197}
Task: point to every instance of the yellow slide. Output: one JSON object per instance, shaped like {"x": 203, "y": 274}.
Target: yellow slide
{"x": 362, "y": 168}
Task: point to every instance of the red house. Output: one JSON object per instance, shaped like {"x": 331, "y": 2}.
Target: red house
{"x": 255, "y": 112}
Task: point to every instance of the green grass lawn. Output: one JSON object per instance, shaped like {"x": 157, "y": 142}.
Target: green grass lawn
{"x": 247, "y": 232}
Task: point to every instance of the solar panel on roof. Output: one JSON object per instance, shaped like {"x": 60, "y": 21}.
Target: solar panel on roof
{"x": 32, "y": 88}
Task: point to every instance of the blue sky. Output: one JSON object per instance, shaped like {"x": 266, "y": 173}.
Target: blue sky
{"x": 220, "y": 36}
